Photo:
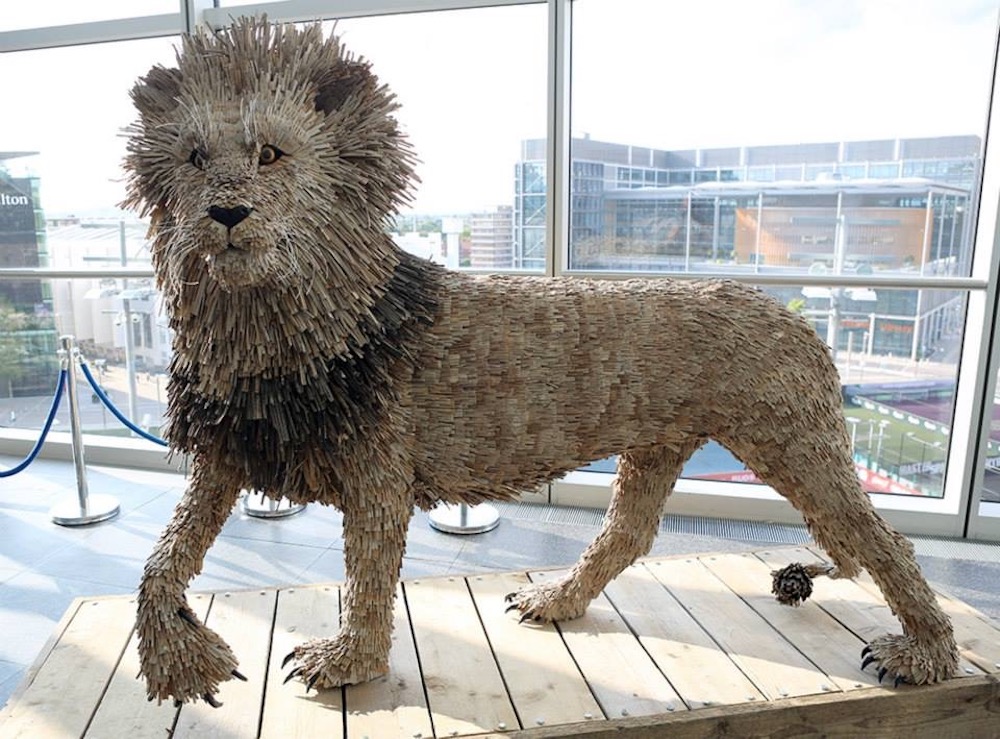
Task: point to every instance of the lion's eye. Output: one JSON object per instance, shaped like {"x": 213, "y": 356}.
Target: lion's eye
{"x": 269, "y": 154}
{"x": 198, "y": 158}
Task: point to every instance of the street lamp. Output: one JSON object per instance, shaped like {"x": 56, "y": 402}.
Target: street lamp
{"x": 882, "y": 425}
{"x": 921, "y": 470}
{"x": 854, "y": 421}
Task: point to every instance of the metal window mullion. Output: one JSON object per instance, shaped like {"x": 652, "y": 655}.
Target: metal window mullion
{"x": 557, "y": 156}
{"x": 193, "y": 13}
{"x": 980, "y": 357}
{"x": 294, "y": 11}
{"x": 93, "y": 32}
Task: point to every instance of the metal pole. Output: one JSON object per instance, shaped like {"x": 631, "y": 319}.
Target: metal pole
{"x": 86, "y": 508}
{"x": 133, "y": 391}
{"x": 461, "y": 519}
{"x": 259, "y": 505}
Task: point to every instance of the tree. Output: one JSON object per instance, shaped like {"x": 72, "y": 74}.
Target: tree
{"x": 12, "y": 349}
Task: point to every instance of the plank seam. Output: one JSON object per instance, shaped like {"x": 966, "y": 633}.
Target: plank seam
{"x": 773, "y": 628}
{"x": 493, "y": 652}
{"x": 576, "y": 664}
{"x": 420, "y": 664}
{"x": 635, "y": 635}
{"x": 760, "y": 688}
{"x": 107, "y": 683}
{"x": 267, "y": 663}
{"x": 830, "y": 681}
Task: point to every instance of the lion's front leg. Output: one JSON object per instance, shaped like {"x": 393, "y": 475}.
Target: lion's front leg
{"x": 179, "y": 656}
{"x": 374, "y": 541}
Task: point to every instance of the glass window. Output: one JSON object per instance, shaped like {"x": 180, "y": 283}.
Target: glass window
{"x": 866, "y": 104}
{"x": 480, "y": 201}
{"x": 899, "y": 373}
{"x": 60, "y": 185}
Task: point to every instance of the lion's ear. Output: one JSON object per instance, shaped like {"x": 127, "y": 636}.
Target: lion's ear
{"x": 338, "y": 83}
{"x": 155, "y": 95}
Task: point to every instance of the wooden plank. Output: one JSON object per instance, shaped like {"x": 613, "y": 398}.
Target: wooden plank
{"x": 978, "y": 640}
{"x": 244, "y": 620}
{"x": 682, "y": 649}
{"x": 775, "y": 666}
{"x": 301, "y": 614}
{"x": 544, "y": 684}
{"x": 43, "y": 654}
{"x": 393, "y": 705}
{"x": 820, "y": 637}
{"x": 621, "y": 675}
{"x": 955, "y": 709}
{"x": 465, "y": 691}
{"x": 124, "y": 710}
{"x": 60, "y": 700}
{"x": 860, "y": 609}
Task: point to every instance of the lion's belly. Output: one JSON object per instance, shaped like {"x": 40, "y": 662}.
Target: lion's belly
{"x": 526, "y": 380}
{"x": 534, "y": 388}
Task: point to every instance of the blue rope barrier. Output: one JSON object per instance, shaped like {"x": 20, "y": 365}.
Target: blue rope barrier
{"x": 60, "y": 384}
{"x": 117, "y": 413}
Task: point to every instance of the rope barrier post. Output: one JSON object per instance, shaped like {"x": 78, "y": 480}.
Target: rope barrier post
{"x": 259, "y": 505}
{"x": 86, "y": 508}
{"x": 463, "y": 519}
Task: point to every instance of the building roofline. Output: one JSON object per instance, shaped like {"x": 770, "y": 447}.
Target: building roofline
{"x": 866, "y": 186}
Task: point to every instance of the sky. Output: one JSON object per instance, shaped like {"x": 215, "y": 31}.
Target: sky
{"x": 472, "y": 83}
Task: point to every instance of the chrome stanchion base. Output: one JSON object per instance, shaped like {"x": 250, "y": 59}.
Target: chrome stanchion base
{"x": 461, "y": 519}
{"x": 259, "y": 505}
{"x": 71, "y": 513}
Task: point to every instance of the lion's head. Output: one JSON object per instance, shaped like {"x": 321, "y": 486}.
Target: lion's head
{"x": 267, "y": 157}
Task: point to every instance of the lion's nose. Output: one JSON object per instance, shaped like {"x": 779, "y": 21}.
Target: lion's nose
{"x": 229, "y": 217}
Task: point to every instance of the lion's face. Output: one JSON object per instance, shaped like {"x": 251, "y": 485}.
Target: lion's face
{"x": 268, "y": 157}
{"x": 247, "y": 184}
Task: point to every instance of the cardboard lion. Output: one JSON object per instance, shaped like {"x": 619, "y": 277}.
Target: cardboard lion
{"x": 315, "y": 360}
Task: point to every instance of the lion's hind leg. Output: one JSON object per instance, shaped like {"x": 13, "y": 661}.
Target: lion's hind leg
{"x": 645, "y": 478}
{"x": 814, "y": 470}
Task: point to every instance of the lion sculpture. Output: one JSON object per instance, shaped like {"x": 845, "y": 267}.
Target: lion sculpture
{"x": 315, "y": 360}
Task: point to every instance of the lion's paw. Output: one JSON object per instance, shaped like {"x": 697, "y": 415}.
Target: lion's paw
{"x": 907, "y": 660}
{"x": 556, "y": 601}
{"x": 182, "y": 658}
{"x": 330, "y": 663}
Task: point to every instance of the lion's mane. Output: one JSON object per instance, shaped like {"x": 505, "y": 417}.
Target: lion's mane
{"x": 293, "y": 336}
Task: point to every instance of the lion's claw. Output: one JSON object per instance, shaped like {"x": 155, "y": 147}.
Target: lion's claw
{"x": 330, "y": 663}
{"x": 288, "y": 658}
{"x": 239, "y": 675}
{"x": 210, "y": 700}
{"x": 907, "y": 660}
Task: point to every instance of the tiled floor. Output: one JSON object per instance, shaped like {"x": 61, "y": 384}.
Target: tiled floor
{"x": 44, "y": 566}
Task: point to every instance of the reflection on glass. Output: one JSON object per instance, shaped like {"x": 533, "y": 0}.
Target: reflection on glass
{"x": 466, "y": 104}
{"x": 897, "y": 353}
{"x": 785, "y": 148}
{"x": 990, "y": 493}
{"x": 58, "y": 209}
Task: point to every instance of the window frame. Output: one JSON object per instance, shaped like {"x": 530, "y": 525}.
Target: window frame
{"x": 956, "y": 514}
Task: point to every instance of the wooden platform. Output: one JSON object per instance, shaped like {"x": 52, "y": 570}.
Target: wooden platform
{"x": 681, "y": 647}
